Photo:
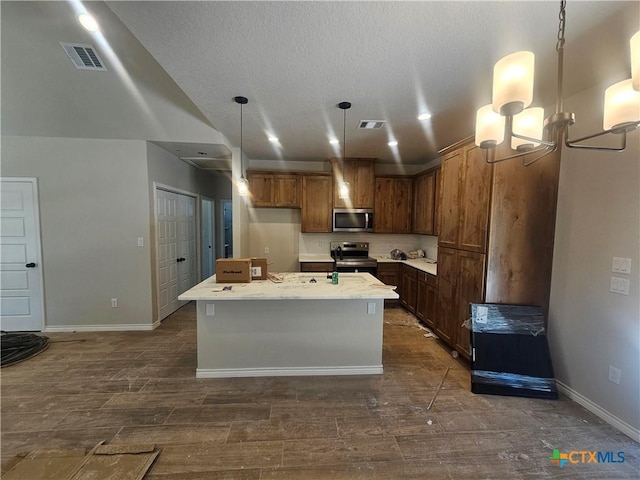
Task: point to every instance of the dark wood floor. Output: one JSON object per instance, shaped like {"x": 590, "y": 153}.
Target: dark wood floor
{"x": 140, "y": 387}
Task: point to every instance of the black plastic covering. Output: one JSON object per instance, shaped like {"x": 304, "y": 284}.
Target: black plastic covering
{"x": 510, "y": 353}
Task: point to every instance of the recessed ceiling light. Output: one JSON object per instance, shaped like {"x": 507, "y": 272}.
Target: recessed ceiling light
{"x": 273, "y": 139}
{"x": 393, "y": 143}
{"x": 424, "y": 116}
{"x": 88, "y": 22}
{"x": 334, "y": 141}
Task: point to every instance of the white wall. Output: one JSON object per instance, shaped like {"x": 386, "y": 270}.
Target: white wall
{"x": 93, "y": 207}
{"x": 598, "y": 218}
{"x": 276, "y": 229}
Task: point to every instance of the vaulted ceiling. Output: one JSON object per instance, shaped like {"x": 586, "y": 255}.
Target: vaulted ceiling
{"x": 295, "y": 61}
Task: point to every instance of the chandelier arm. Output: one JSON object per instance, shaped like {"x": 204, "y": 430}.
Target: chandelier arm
{"x": 623, "y": 141}
{"x": 536, "y": 140}
{"x": 544, "y": 148}
{"x": 539, "y": 157}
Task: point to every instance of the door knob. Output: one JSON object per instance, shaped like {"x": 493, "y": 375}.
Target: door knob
{"x": 31, "y": 265}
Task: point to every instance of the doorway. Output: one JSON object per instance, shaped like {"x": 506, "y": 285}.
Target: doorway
{"x": 21, "y": 300}
{"x": 227, "y": 228}
{"x": 208, "y": 237}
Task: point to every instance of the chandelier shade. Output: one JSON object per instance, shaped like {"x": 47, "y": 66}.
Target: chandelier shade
{"x": 635, "y": 60}
{"x": 513, "y": 83}
{"x": 528, "y": 123}
{"x": 621, "y": 106}
{"x": 489, "y": 127}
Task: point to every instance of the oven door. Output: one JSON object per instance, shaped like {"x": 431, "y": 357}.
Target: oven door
{"x": 354, "y": 267}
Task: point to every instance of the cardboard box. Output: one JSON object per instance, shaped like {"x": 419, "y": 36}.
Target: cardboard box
{"x": 258, "y": 268}
{"x": 233, "y": 270}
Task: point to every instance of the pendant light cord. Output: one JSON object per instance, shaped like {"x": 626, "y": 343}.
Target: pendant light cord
{"x": 344, "y": 136}
{"x": 241, "y": 162}
{"x": 560, "y": 50}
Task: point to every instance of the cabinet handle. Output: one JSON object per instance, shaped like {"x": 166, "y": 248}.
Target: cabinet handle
{"x": 31, "y": 265}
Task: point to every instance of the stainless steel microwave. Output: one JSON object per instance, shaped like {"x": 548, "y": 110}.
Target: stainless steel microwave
{"x": 352, "y": 220}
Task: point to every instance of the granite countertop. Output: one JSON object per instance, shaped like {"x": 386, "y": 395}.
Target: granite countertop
{"x": 296, "y": 286}
{"x": 423, "y": 264}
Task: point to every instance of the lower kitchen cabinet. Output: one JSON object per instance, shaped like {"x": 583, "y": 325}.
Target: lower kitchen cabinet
{"x": 408, "y": 290}
{"x": 316, "y": 266}
{"x": 426, "y": 299}
{"x": 461, "y": 277}
{"x": 389, "y": 274}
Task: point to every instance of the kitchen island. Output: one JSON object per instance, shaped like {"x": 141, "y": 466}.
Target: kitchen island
{"x": 301, "y": 325}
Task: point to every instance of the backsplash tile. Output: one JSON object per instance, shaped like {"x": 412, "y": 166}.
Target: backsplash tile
{"x": 379, "y": 244}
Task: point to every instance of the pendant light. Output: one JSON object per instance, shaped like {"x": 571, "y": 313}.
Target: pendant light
{"x": 343, "y": 187}
{"x": 242, "y": 184}
{"x": 508, "y": 118}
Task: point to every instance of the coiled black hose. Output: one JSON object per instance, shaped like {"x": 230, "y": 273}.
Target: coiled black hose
{"x": 16, "y": 347}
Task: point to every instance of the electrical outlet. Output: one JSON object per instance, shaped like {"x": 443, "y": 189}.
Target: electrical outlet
{"x": 114, "y": 303}
{"x": 266, "y": 250}
{"x": 140, "y": 241}
{"x": 371, "y": 308}
{"x": 614, "y": 374}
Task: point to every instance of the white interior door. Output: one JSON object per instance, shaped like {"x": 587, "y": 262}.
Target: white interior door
{"x": 20, "y": 270}
{"x": 176, "y": 247}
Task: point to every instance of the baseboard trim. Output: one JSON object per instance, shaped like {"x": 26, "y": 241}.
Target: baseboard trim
{"x": 608, "y": 417}
{"x": 287, "y": 372}
{"x": 122, "y": 327}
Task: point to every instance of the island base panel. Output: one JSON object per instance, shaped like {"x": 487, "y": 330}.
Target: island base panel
{"x": 292, "y": 337}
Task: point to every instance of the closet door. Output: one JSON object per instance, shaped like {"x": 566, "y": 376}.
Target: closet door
{"x": 176, "y": 248}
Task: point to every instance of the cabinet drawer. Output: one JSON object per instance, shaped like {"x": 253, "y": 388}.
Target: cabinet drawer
{"x": 432, "y": 280}
{"x": 316, "y": 266}
{"x": 422, "y": 276}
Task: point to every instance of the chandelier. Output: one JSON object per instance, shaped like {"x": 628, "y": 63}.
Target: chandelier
{"x": 508, "y": 116}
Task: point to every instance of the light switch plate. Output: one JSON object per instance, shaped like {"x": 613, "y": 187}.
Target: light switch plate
{"x": 621, "y": 265}
{"x": 619, "y": 285}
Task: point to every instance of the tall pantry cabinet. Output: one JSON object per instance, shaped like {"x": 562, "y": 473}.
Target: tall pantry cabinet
{"x": 495, "y": 235}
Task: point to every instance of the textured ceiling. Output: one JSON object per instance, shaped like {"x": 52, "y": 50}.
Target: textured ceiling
{"x": 295, "y": 61}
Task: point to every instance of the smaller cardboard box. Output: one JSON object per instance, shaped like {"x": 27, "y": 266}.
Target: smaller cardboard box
{"x": 258, "y": 268}
{"x": 233, "y": 270}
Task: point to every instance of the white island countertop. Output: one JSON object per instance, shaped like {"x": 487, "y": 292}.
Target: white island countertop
{"x": 294, "y": 285}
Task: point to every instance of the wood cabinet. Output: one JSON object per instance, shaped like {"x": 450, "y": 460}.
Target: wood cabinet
{"x": 512, "y": 205}
{"x": 389, "y": 273}
{"x": 426, "y": 299}
{"x": 269, "y": 189}
{"x": 408, "y": 290}
{"x": 464, "y": 199}
{"x": 461, "y": 277}
{"x": 360, "y": 174}
{"x": 316, "y": 266}
{"x": 393, "y": 200}
{"x": 317, "y": 193}
{"x": 425, "y": 186}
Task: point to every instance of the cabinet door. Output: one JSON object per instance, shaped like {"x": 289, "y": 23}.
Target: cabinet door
{"x": 421, "y": 296}
{"x": 436, "y": 199}
{"x": 409, "y": 284}
{"x": 449, "y": 215}
{"x": 384, "y": 205}
{"x": 342, "y": 171}
{"x": 446, "y": 298}
{"x": 470, "y": 289}
{"x": 474, "y": 210}
{"x": 317, "y": 193}
{"x": 430, "y": 310}
{"x": 261, "y": 188}
{"x": 424, "y": 203}
{"x": 403, "y": 193}
{"x": 364, "y": 182}
{"x": 287, "y": 191}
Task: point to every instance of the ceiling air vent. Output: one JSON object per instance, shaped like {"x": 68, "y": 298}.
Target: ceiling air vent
{"x": 84, "y": 57}
{"x": 371, "y": 124}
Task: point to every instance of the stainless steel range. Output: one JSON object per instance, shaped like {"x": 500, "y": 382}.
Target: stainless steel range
{"x": 352, "y": 257}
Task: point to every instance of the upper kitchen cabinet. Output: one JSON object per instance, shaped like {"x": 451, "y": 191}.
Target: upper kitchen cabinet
{"x": 359, "y": 173}
{"x": 465, "y": 189}
{"x": 393, "y": 200}
{"x": 425, "y": 196}
{"x": 269, "y": 189}
{"x": 317, "y": 192}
